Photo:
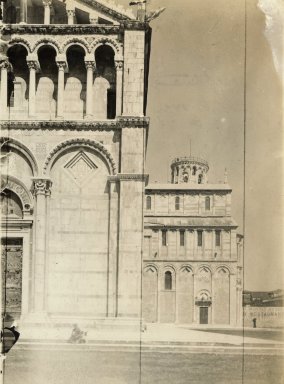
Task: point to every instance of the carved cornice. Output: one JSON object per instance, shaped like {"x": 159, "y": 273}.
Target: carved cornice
{"x": 80, "y": 125}
{"x": 128, "y": 176}
{"x": 133, "y": 121}
{"x": 65, "y": 29}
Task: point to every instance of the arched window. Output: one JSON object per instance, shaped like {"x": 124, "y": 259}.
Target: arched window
{"x": 168, "y": 281}
{"x": 148, "y": 203}
{"x": 200, "y": 178}
{"x": 194, "y": 170}
{"x": 177, "y": 203}
{"x": 217, "y": 238}
{"x": 181, "y": 238}
{"x": 164, "y": 238}
{"x": 207, "y": 203}
{"x": 199, "y": 238}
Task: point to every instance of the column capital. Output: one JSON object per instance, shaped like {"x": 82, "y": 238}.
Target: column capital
{"x": 118, "y": 65}
{"x": 33, "y": 64}
{"x": 5, "y": 64}
{"x": 93, "y": 19}
{"x": 90, "y": 64}
{"x": 70, "y": 12}
{"x": 47, "y": 3}
{"x": 41, "y": 186}
{"x": 62, "y": 65}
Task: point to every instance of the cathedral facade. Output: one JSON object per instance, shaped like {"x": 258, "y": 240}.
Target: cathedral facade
{"x": 83, "y": 237}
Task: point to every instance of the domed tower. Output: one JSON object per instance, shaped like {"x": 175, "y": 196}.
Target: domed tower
{"x": 189, "y": 169}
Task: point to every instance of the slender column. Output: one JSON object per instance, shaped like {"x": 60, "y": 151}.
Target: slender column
{"x": 23, "y": 11}
{"x": 90, "y": 66}
{"x": 5, "y": 65}
{"x": 119, "y": 72}
{"x": 60, "y": 88}
{"x": 41, "y": 189}
{"x": 47, "y": 6}
{"x": 33, "y": 67}
{"x": 71, "y": 16}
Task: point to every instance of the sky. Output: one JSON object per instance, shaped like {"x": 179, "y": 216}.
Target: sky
{"x": 219, "y": 84}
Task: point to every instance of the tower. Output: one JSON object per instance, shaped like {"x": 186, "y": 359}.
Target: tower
{"x": 73, "y": 104}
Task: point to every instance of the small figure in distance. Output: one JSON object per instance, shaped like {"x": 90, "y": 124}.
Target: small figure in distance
{"x": 77, "y": 336}
{"x": 254, "y": 322}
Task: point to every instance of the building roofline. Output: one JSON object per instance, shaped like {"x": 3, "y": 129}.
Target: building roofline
{"x": 188, "y": 187}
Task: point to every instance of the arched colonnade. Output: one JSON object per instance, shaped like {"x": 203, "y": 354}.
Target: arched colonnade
{"x": 73, "y": 81}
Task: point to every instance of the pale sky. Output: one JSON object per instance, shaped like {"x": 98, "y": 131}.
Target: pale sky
{"x": 197, "y": 93}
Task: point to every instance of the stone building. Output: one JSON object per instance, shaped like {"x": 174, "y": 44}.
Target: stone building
{"x": 192, "y": 260}
{"x": 73, "y": 99}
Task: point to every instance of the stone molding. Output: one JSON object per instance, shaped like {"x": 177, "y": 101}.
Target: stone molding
{"x": 41, "y": 186}
{"x": 128, "y": 176}
{"x": 80, "y": 125}
{"x": 60, "y": 29}
{"x": 80, "y": 142}
{"x": 12, "y": 143}
{"x": 74, "y": 29}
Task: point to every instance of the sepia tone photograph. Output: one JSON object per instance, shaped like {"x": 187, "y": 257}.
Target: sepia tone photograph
{"x": 141, "y": 191}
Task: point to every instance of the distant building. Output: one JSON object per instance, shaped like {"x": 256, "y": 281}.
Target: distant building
{"x": 264, "y": 298}
{"x": 192, "y": 260}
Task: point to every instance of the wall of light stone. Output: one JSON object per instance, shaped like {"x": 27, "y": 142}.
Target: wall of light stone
{"x": 266, "y": 317}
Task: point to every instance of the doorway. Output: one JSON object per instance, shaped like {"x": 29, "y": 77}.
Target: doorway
{"x": 12, "y": 261}
{"x": 203, "y": 315}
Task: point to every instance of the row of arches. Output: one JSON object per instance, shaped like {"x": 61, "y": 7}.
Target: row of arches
{"x": 61, "y": 47}
{"x": 37, "y": 88}
{"x": 10, "y": 146}
{"x": 179, "y": 295}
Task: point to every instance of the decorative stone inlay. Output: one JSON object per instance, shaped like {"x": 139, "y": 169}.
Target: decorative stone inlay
{"x": 41, "y": 186}
{"x": 80, "y": 167}
{"x": 85, "y": 143}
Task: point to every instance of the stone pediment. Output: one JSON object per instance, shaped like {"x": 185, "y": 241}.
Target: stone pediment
{"x": 100, "y": 11}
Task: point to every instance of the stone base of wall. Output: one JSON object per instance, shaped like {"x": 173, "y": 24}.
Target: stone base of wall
{"x": 266, "y": 317}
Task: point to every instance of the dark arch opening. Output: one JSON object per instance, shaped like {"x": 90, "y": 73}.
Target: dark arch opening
{"x": 46, "y": 58}
{"x": 17, "y": 55}
{"x": 168, "y": 281}
{"x": 105, "y": 66}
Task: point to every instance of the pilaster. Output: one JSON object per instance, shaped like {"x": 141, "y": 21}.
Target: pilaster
{"x": 41, "y": 191}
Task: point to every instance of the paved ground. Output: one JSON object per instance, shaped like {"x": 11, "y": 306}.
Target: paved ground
{"x": 163, "y": 354}
{"x": 97, "y": 367}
